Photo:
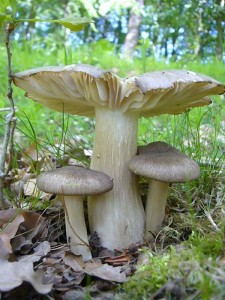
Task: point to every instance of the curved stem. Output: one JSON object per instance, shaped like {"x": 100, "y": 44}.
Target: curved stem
{"x": 118, "y": 215}
{"x": 76, "y": 231}
{"x": 155, "y": 206}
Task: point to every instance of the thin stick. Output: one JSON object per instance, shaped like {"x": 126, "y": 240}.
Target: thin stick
{"x": 5, "y": 109}
{"x": 10, "y": 121}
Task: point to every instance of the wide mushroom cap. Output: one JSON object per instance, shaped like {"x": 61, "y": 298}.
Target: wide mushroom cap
{"x": 160, "y": 161}
{"x": 73, "y": 180}
{"x": 78, "y": 89}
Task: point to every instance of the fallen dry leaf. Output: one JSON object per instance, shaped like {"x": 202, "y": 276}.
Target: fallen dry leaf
{"x": 42, "y": 249}
{"x": 75, "y": 262}
{"x": 21, "y": 244}
{"x": 11, "y": 228}
{"x": 8, "y": 215}
{"x": 30, "y": 220}
{"x": 12, "y": 274}
{"x": 34, "y": 224}
{"x": 30, "y": 189}
{"x": 118, "y": 260}
{"x": 5, "y": 246}
{"x": 105, "y": 272}
{"x": 10, "y": 221}
{"x": 21, "y": 230}
{"x": 39, "y": 253}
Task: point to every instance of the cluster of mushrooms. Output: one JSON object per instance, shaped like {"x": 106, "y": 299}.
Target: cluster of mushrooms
{"x": 115, "y": 209}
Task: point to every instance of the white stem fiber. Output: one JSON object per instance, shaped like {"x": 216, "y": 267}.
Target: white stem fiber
{"x": 118, "y": 215}
{"x": 76, "y": 231}
{"x": 155, "y": 207}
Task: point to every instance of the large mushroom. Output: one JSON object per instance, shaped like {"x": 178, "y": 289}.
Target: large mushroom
{"x": 117, "y": 104}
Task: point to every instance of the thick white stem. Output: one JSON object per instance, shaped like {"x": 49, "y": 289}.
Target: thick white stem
{"x": 76, "y": 231}
{"x": 155, "y": 206}
{"x": 118, "y": 215}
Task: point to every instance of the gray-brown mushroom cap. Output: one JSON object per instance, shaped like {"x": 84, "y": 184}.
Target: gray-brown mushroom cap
{"x": 162, "y": 162}
{"x": 79, "y": 89}
{"x": 73, "y": 180}
{"x": 167, "y": 79}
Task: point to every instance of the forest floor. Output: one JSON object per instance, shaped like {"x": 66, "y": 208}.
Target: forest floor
{"x": 185, "y": 261}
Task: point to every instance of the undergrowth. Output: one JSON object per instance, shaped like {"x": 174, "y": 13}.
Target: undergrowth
{"x": 193, "y": 269}
{"x": 187, "y": 272}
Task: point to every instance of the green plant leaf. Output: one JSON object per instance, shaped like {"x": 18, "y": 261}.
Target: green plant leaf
{"x": 13, "y": 4}
{"x": 3, "y": 5}
{"x": 3, "y": 19}
{"x": 74, "y": 23}
{"x": 5, "y": 15}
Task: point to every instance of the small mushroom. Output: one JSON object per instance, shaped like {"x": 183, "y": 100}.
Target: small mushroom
{"x": 73, "y": 182}
{"x": 162, "y": 164}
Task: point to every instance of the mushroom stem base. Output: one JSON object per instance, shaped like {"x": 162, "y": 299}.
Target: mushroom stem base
{"x": 155, "y": 207}
{"x": 76, "y": 231}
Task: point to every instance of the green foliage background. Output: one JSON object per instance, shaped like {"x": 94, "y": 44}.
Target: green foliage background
{"x": 191, "y": 42}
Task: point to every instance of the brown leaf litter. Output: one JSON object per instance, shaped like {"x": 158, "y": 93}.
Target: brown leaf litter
{"x": 34, "y": 257}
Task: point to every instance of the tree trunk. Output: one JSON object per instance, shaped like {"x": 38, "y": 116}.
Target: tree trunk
{"x": 105, "y": 27}
{"x": 29, "y": 27}
{"x": 132, "y": 35}
{"x": 220, "y": 31}
{"x": 174, "y": 40}
{"x": 198, "y": 38}
{"x": 67, "y": 13}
